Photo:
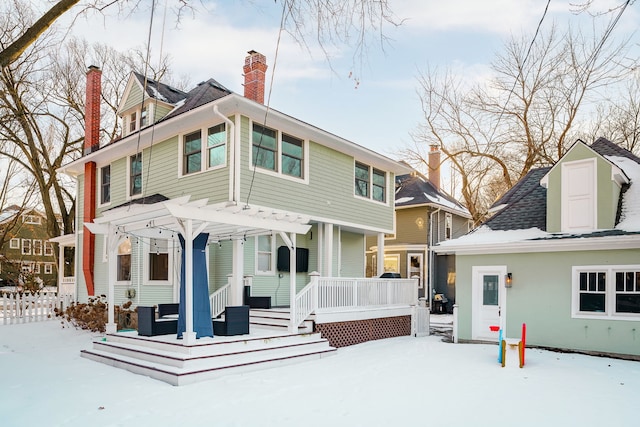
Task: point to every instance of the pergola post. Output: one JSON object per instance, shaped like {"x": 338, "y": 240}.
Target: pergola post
{"x": 112, "y": 271}
{"x": 292, "y": 282}
{"x": 188, "y": 336}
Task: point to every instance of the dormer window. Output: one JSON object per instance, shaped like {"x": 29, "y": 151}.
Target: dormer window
{"x": 579, "y": 196}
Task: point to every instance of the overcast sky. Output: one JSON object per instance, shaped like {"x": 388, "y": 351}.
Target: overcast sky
{"x": 380, "y": 111}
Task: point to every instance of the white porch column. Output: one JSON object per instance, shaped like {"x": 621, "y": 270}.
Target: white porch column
{"x": 237, "y": 264}
{"x": 380, "y": 257}
{"x": 60, "y": 266}
{"x": 189, "y": 335}
{"x": 292, "y": 282}
{"x": 327, "y": 270}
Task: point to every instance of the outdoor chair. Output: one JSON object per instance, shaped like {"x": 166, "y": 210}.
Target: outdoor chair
{"x": 235, "y": 322}
{"x": 167, "y": 309}
{"x": 149, "y": 326}
{"x": 255, "y": 302}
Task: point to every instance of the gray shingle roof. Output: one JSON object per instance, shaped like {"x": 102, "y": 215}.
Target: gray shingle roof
{"x": 202, "y": 94}
{"x": 526, "y": 204}
{"x": 161, "y": 91}
{"x": 415, "y": 189}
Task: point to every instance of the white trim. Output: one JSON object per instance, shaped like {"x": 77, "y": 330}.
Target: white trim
{"x": 631, "y": 241}
{"x": 147, "y": 250}
{"x": 610, "y": 292}
{"x": 14, "y": 243}
{"x": 100, "y": 204}
{"x": 26, "y": 247}
{"x": 477, "y": 272}
{"x": 130, "y": 196}
{"x": 590, "y": 180}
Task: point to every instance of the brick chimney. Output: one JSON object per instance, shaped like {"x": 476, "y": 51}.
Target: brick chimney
{"x": 91, "y": 143}
{"x": 255, "y": 68}
{"x": 434, "y": 166}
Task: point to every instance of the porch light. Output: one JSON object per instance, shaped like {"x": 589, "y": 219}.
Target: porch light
{"x": 508, "y": 280}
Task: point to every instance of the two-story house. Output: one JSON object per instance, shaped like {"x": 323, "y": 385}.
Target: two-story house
{"x": 26, "y": 253}
{"x": 425, "y": 216}
{"x": 561, "y": 254}
{"x": 259, "y": 192}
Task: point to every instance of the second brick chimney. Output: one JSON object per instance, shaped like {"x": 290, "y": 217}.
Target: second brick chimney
{"x": 255, "y": 68}
{"x": 434, "y": 166}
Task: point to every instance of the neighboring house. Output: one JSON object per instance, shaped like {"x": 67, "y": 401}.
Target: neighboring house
{"x": 562, "y": 254}
{"x": 26, "y": 252}
{"x": 425, "y": 215}
{"x": 255, "y": 180}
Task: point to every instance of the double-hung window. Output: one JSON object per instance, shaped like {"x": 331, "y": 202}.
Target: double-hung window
{"x": 135, "y": 175}
{"x": 448, "y": 226}
{"x": 37, "y": 247}
{"x": 192, "y": 153}
{"x": 158, "y": 259}
{"x": 105, "y": 184}
{"x": 362, "y": 180}
{"x": 606, "y": 291}
{"x": 144, "y": 117}
{"x": 14, "y": 243}
{"x": 370, "y": 182}
{"x": 214, "y": 149}
{"x": 278, "y": 152}
{"x": 26, "y": 246}
{"x": 124, "y": 261}
{"x": 48, "y": 249}
{"x": 265, "y": 259}
{"x": 133, "y": 121}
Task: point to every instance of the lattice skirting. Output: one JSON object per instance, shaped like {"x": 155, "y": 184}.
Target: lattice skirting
{"x": 343, "y": 334}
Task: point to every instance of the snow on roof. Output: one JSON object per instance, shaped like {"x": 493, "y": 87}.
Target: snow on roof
{"x": 404, "y": 200}
{"x": 8, "y": 213}
{"x": 446, "y": 203}
{"x": 630, "y": 214}
{"x": 157, "y": 94}
{"x": 484, "y": 234}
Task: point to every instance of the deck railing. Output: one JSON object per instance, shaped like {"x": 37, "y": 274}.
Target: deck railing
{"x": 331, "y": 293}
{"x": 219, "y": 300}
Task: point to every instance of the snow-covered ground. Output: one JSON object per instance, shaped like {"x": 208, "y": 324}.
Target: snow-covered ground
{"x": 395, "y": 382}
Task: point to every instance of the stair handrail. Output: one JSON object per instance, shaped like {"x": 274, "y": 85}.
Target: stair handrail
{"x": 219, "y": 300}
{"x": 306, "y": 302}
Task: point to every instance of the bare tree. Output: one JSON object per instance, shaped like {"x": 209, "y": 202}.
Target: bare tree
{"x": 524, "y": 117}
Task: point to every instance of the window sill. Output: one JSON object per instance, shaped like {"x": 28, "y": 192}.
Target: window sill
{"x": 604, "y": 316}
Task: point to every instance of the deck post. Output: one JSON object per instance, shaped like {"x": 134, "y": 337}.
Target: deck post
{"x": 292, "y": 283}
{"x": 188, "y": 336}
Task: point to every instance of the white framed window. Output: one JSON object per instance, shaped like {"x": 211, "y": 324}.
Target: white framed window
{"x": 37, "y": 247}
{"x": 123, "y": 265}
{"x": 199, "y": 154}
{"x": 448, "y": 226}
{"x": 26, "y": 267}
{"x": 48, "y": 268}
{"x": 26, "y": 246}
{"x": 105, "y": 185}
{"x": 36, "y": 268}
{"x": 144, "y": 117}
{"x": 370, "y": 183}
{"x": 48, "y": 249}
{"x": 606, "y": 292}
{"x": 134, "y": 177}
{"x": 265, "y": 254}
{"x": 392, "y": 263}
{"x": 279, "y": 153}
{"x": 32, "y": 219}
{"x": 159, "y": 260}
{"x": 14, "y": 243}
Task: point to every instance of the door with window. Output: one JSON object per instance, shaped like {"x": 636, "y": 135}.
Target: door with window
{"x": 488, "y": 302}
{"x": 414, "y": 267}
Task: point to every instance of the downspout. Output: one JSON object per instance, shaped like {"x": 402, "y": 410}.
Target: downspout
{"x": 234, "y": 185}
{"x": 431, "y": 258}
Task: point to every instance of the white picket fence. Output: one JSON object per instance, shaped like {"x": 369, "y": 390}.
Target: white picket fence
{"x": 27, "y": 307}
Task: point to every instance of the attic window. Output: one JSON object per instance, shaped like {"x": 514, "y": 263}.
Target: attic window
{"x": 144, "y": 117}
{"x": 32, "y": 219}
{"x": 132, "y": 122}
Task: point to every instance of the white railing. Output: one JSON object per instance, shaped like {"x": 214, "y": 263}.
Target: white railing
{"x": 331, "y": 293}
{"x": 219, "y": 300}
{"x": 27, "y": 307}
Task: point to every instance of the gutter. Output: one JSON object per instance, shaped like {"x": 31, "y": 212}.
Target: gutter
{"x": 234, "y": 157}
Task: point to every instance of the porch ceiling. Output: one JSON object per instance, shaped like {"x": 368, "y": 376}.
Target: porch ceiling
{"x": 223, "y": 221}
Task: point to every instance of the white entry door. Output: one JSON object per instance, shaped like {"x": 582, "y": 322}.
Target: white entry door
{"x": 488, "y": 302}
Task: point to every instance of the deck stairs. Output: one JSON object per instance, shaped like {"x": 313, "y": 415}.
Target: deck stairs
{"x": 167, "y": 359}
{"x": 277, "y": 319}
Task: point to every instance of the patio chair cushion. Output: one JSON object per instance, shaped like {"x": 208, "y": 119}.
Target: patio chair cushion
{"x": 166, "y": 309}
{"x": 148, "y": 326}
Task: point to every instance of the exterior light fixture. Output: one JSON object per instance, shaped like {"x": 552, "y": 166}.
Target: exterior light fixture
{"x": 508, "y": 280}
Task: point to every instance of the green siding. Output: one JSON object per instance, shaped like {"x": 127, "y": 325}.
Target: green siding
{"x": 329, "y": 193}
{"x": 543, "y": 302}
{"x": 134, "y": 99}
{"x": 353, "y": 257}
{"x": 160, "y": 111}
{"x": 607, "y": 195}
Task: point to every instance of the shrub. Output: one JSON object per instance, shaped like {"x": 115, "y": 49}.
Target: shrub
{"x": 92, "y": 315}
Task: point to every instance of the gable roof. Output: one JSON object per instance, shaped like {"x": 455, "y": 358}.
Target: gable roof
{"x": 525, "y": 204}
{"x": 416, "y": 190}
{"x": 205, "y": 92}
{"x": 520, "y": 221}
{"x": 160, "y": 91}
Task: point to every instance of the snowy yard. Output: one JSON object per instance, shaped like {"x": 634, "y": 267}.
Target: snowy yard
{"x": 395, "y": 382}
